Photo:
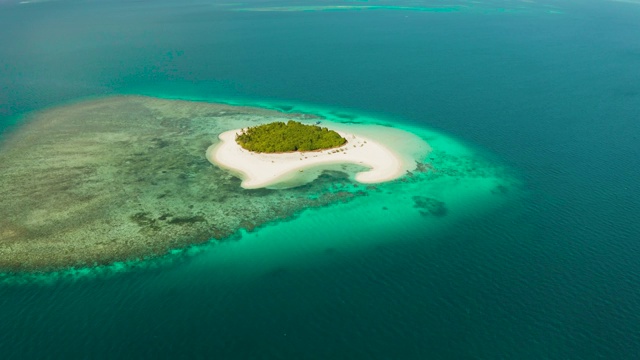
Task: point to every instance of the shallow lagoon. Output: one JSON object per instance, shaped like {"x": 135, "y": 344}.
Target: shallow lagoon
{"x": 133, "y": 184}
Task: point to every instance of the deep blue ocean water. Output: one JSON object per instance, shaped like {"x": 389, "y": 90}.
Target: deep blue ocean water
{"x": 550, "y": 91}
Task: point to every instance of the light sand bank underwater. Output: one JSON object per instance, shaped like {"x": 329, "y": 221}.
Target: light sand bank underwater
{"x": 125, "y": 178}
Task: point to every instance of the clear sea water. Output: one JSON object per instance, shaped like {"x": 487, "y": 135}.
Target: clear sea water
{"x": 550, "y": 91}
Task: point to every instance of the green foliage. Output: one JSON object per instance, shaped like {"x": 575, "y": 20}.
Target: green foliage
{"x": 293, "y": 136}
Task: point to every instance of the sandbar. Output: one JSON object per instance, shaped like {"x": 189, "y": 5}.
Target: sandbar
{"x": 258, "y": 170}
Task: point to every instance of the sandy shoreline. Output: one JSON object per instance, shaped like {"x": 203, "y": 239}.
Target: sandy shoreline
{"x": 258, "y": 170}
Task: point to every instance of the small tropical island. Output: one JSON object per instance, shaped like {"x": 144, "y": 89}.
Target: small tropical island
{"x": 122, "y": 179}
{"x": 280, "y": 137}
{"x": 282, "y": 155}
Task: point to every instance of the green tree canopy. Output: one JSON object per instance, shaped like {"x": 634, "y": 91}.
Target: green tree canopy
{"x": 279, "y": 137}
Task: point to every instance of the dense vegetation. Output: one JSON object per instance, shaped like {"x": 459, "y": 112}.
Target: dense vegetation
{"x": 293, "y": 136}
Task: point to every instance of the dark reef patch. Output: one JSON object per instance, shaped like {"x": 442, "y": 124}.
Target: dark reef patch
{"x": 430, "y": 206}
{"x": 500, "y": 189}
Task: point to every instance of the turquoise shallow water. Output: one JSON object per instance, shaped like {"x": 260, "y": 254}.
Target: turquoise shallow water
{"x": 457, "y": 183}
{"x": 547, "y": 94}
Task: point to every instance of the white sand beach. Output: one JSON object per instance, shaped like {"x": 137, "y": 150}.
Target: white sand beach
{"x": 259, "y": 170}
